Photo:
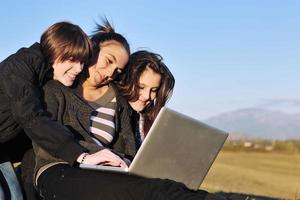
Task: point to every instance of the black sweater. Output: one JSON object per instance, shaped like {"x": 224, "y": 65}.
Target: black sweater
{"x": 68, "y": 107}
{"x": 22, "y": 76}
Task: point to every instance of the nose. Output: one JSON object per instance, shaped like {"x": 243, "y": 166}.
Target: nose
{"x": 145, "y": 95}
{"x": 78, "y": 67}
{"x": 111, "y": 72}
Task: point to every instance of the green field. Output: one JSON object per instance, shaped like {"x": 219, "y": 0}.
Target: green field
{"x": 266, "y": 174}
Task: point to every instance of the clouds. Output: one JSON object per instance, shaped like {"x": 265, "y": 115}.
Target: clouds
{"x": 288, "y": 105}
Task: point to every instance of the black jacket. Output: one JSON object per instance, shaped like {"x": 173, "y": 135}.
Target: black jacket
{"x": 22, "y": 76}
{"x": 68, "y": 107}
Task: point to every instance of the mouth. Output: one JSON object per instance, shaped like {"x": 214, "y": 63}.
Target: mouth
{"x": 72, "y": 76}
{"x": 144, "y": 103}
{"x": 105, "y": 82}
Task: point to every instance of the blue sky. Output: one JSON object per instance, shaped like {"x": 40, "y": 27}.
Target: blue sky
{"x": 225, "y": 55}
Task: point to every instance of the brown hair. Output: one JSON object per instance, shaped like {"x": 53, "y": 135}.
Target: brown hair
{"x": 128, "y": 83}
{"x": 64, "y": 40}
{"x": 104, "y": 33}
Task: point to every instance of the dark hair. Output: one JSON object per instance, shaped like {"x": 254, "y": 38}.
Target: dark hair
{"x": 128, "y": 83}
{"x": 64, "y": 40}
{"x": 104, "y": 33}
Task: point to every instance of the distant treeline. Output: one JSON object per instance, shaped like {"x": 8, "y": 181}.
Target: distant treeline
{"x": 286, "y": 146}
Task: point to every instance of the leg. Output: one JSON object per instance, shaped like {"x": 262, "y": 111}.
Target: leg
{"x": 11, "y": 179}
{"x": 4, "y": 189}
{"x": 65, "y": 182}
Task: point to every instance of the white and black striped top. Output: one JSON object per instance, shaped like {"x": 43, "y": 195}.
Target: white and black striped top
{"x": 102, "y": 119}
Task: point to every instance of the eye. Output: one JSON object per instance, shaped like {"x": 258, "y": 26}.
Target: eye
{"x": 110, "y": 61}
{"x": 154, "y": 90}
{"x": 140, "y": 87}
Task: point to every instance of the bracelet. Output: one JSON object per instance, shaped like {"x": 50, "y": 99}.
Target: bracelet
{"x": 83, "y": 158}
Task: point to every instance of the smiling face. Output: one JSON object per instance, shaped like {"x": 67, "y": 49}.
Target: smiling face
{"x": 149, "y": 83}
{"x": 111, "y": 61}
{"x": 66, "y": 71}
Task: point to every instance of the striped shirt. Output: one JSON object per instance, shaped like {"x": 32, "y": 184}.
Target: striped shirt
{"x": 102, "y": 119}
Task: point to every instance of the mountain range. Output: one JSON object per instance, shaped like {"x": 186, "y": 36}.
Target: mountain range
{"x": 258, "y": 123}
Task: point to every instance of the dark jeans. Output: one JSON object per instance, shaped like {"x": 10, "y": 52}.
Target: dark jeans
{"x": 10, "y": 152}
{"x": 65, "y": 182}
{"x": 9, "y": 184}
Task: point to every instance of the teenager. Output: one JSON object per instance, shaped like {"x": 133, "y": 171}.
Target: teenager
{"x": 147, "y": 93}
{"x": 110, "y": 55}
{"x": 60, "y": 55}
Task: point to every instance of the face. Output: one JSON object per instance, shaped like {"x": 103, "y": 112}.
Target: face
{"x": 148, "y": 86}
{"x": 111, "y": 60}
{"x": 66, "y": 71}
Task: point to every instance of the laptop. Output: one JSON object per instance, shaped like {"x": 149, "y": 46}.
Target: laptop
{"x": 177, "y": 147}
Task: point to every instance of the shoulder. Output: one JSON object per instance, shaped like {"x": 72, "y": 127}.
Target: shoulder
{"x": 34, "y": 50}
{"x": 32, "y": 53}
{"x": 53, "y": 84}
{"x": 53, "y": 87}
{"x": 56, "y": 90}
{"x": 30, "y": 57}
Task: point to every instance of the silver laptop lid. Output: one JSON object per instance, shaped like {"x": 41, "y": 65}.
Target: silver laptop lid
{"x": 179, "y": 148}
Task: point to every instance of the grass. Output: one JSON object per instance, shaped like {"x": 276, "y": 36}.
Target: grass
{"x": 266, "y": 174}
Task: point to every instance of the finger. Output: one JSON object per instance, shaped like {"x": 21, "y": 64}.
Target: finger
{"x": 112, "y": 160}
{"x": 123, "y": 164}
{"x": 106, "y": 155}
{"x": 117, "y": 162}
{"x": 112, "y": 163}
{"x": 114, "y": 157}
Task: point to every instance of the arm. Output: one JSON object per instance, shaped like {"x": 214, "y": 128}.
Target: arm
{"x": 59, "y": 103}
{"x": 19, "y": 82}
